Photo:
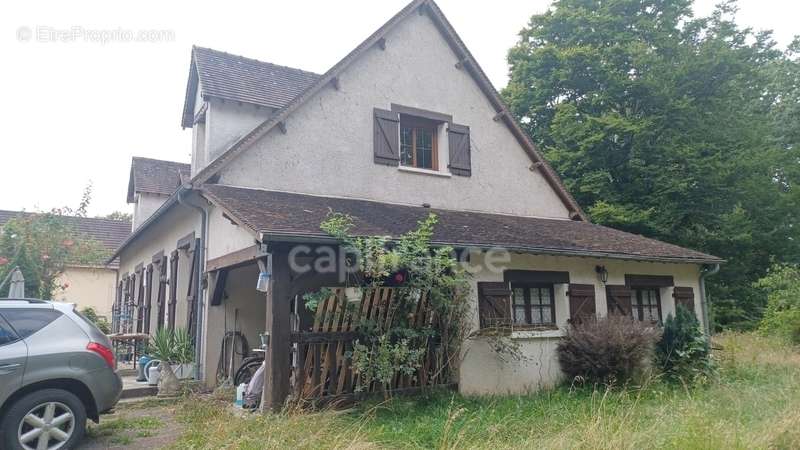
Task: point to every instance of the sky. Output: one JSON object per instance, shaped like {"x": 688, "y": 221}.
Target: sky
{"x": 89, "y": 84}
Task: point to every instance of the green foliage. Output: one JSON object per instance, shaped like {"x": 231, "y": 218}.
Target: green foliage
{"x": 680, "y": 128}
{"x": 382, "y": 361}
{"x": 42, "y": 244}
{"x": 101, "y": 322}
{"x": 395, "y": 348}
{"x": 119, "y": 215}
{"x": 174, "y": 347}
{"x": 683, "y": 353}
{"x": 782, "y": 316}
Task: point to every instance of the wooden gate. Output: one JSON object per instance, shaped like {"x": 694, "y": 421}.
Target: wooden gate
{"x": 321, "y": 367}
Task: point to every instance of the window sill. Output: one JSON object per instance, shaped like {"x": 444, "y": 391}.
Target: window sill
{"x": 537, "y": 334}
{"x": 424, "y": 171}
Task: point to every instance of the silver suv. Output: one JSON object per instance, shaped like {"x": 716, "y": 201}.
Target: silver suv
{"x": 56, "y": 369}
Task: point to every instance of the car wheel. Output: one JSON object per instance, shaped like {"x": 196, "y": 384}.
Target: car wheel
{"x": 50, "y": 419}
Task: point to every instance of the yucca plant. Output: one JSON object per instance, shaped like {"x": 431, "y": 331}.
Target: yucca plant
{"x": 171, "y": 347}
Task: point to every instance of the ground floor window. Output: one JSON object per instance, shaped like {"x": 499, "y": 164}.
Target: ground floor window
{"x": 646, "y": 304}
{"x": 533, "y": 304}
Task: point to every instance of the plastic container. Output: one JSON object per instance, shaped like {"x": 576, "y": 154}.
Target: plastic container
{"x": 240, "y": 394}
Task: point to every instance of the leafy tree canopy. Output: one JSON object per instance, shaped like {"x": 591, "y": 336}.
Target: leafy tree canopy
{"x": 680, "y": 128}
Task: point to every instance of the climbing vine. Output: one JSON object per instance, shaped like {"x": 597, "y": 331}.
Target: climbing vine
{"x": 409, "y": 264}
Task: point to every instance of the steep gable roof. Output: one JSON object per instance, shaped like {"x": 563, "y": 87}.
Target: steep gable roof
{"x": 155, "y": 176}
{"x": 465, "y": 61}
{"x": 284, "y": 215}
{"x": 231, "y": 77}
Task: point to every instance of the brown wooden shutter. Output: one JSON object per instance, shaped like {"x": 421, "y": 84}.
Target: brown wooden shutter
{"x": 684, "y": 296}
{"x": 581, "y": 302}
{"x": 140, "y": 300}
{"x": 460, "y": 157}
{"x": 618, "y": 299}
{"x": 162, "y": 292}
{"x": 387, "y": 137}
{"x": 115, "y": 311}
{"x": 191, "y": 292}
{"x": 173, "y": 288}
{"x": 494, "y": 304}
{"x": 148, "y": 298}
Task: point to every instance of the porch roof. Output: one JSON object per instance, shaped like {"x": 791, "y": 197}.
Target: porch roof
{"x": 281, "y": 215}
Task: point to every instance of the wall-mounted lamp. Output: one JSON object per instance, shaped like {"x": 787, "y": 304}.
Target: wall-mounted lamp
{"x": 602, "y": 273}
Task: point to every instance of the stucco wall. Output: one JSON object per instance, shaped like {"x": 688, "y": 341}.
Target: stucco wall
{"x": 224, "y": 236}
{"x": 89, "y": 287}
{"x": 328, "y": 146}
{"x": 242, "y": 309}
{"x": 146, "y": 205}
{"x": 483, "y": 371}
{"x": 226, "y": 122}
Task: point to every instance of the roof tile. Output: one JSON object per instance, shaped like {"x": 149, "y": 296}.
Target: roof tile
{"x": 301, "y": 215}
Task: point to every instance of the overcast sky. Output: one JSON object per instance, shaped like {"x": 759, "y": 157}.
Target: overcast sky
{"x": 75, "y": 111}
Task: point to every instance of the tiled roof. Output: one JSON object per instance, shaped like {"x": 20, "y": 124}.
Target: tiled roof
{"x": 154, "y": 176}
{"x": 298, "y": 215}
{"x": 110, "y": 233}
{"x": 233, "y": 77}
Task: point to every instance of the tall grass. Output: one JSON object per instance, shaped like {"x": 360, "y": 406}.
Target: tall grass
{"x": 755, "y": 403}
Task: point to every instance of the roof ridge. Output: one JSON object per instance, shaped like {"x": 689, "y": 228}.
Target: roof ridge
{"x": 160, "y": 160}
{"x": 196, "y": 47}
{"x": 106, "y": 219}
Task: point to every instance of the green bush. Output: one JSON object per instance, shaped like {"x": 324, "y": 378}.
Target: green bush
{"x": 609, "y": 350}
{"x": 683, "y": 353}
{"x": 101, "y": 322}
{"x": 782, "y": 316}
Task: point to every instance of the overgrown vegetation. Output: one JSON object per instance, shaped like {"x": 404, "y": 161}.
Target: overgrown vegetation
{"x": 753, "y": 405}
{"x": 681, "y": 128}
{"x": 782, "y": 316}
{"x": 413, "y": 268}
{"x": 683, "y": 353}
{"x": 42, "y": 244}
{"x": 610, "y": 350}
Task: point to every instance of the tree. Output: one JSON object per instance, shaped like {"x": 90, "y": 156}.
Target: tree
{"x": 782, "y": 317}
{"x": 42, "y": 244}
{"x": 679, "y": 128}
{"x": 119, "y": 215}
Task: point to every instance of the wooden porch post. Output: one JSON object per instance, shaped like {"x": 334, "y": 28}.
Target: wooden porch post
{"x": 276, "y": 383}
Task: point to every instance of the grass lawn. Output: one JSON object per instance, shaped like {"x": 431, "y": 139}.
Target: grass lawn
{"x": 755, "y": 403}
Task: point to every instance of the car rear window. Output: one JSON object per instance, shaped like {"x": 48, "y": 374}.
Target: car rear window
{"x": 7, "y": 335}
{"x": 28, "y": 321}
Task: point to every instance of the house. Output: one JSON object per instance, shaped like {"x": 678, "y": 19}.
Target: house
{"x": 405, "y": 125}
{"x": 89, "y": 285}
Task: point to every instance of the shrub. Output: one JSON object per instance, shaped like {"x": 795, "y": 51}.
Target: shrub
{"x": 173, "y": 346}
{"x": 608, "y": 350}
{"x": 683, "y": 353}
{"x": 101, "y": 322}
{"x": 782, "y": 316}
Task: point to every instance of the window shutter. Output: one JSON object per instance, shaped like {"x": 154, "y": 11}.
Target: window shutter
{"x": 684, "y": 296}
{"x": 387, "y": 137}
{"x": 619, "y": 300}
{"x": 494, "y": 304}
{"x": 460, "y": 158}
{"x": 581, "y": 302}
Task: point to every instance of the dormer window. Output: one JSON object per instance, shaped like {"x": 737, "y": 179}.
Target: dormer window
{"x": 419, "y": 142}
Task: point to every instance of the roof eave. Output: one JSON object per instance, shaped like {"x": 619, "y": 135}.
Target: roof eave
{"x": 321, "y": 238}
{"x": 172, "y": 200}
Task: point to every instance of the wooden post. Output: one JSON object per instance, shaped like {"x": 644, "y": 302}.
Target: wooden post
{"x": 276, "y": 383}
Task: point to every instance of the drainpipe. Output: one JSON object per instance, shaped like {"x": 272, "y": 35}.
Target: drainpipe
{"x": 705, "y": 272}
{"x": 198, "y": 319}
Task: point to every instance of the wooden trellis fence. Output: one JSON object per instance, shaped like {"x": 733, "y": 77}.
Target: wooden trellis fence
{"x": 321, "y": 368}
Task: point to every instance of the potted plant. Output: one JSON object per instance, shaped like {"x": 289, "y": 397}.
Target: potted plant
{"x": 175, "y": 350}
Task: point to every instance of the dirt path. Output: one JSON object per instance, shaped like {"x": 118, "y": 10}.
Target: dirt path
{"x": 141, "y": 425}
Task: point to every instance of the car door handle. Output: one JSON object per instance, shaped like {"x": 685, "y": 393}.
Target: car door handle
{"x": 8, "y": 368}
